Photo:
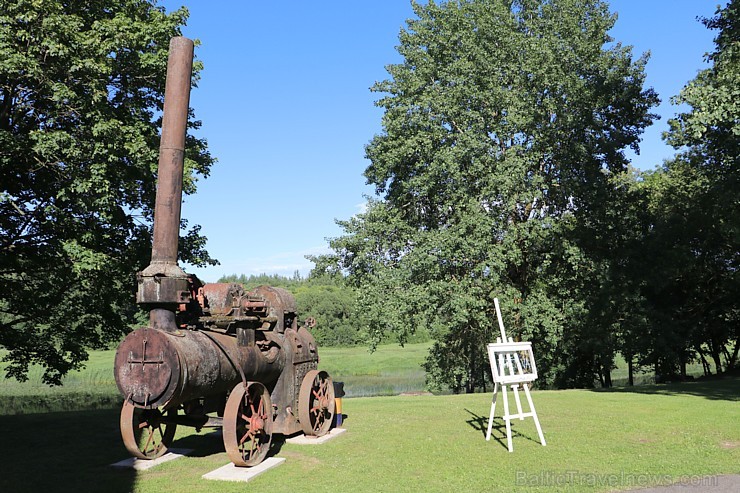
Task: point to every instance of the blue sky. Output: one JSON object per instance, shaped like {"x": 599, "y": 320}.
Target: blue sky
{"x": 286, "y": 108}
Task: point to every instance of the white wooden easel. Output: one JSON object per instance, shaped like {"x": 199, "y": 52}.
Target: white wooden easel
{"x": 512, "y": 364}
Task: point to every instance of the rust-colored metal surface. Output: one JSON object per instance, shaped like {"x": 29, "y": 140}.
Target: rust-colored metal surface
{"x": 222, "y": 298}
{"x": 316, "y": 403}
{"x": 156, "y": 368}
{"x": 146, "y": 433}
{"x": 279, "y": 298}
{"x": 213, "y": 354}
{"x": 163, "y": 285}
{"x": 247, "y": 428}
{"x": 147, "y": 368}
{"x": 172, "y": 151}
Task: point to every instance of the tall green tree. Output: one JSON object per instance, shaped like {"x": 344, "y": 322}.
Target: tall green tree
{"x": 696, "y": 203}
{"x": 503, "y": 127}
{"x": 81, "y": 95}
{"x": 676, "y": 268}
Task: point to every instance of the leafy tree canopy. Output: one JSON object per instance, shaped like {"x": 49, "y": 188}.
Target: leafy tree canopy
{"x": 504, "y": 127}
{"x": 81, "y": 95}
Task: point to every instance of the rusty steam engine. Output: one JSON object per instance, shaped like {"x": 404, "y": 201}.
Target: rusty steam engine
{"x": 213, "y": 355}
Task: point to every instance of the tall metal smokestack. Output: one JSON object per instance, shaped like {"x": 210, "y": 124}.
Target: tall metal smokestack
{"x": 172, "y": 151}
{"x": 163, "y": 284}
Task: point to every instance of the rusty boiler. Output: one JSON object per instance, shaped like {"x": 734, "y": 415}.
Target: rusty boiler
{"x": 213, "y": 355}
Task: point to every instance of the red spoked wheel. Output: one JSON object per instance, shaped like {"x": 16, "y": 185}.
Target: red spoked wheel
{"x": 316, "y": 403}
{"x": 147, "y": 433}
{"x": 248, "y": 424}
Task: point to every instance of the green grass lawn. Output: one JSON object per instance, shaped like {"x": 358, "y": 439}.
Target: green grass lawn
{"x": 596, "y": 441}
{"x": 91, "y": 388}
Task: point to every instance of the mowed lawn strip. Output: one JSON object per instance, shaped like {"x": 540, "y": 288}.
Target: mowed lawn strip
{"x": 596, "y": 441}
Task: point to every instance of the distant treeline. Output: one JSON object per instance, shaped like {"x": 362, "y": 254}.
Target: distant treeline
{"x": 326, "y": 298}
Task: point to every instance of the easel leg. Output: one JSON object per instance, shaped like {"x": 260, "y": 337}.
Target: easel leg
{"x": 515, "y": 388}
{"x": 507, "y": 418}
{"x": 534, "y": 414}
{"x": 493, "y": 411}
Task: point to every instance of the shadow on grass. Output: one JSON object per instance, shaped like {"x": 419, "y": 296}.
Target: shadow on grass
{"x": 498, "y": 430}
{"x": 212, "y": 443}
{"x": 61, "y": 452}
{"x": 717, "y": 388}
{"x": 203, "y": 444}
{"x": 72, "y": 451}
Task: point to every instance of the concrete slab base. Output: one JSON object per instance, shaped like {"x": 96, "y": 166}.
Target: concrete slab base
{"x": 144, "y": 464}
{"x": 230, "y": 472}
{"x": 308, "y": 440}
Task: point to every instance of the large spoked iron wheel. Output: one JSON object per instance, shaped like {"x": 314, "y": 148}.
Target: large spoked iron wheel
{"x": 316, "y": 403}
{"x": 248, "y": 424}
{"x": 147, "y": 433}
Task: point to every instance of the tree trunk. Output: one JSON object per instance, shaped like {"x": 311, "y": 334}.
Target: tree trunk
{"x": 733, "y": 359}
{"x": 729, "y": 360}
{"x": 630, "y": 372}
{"x": 6, "y": 105}
{"x": 704, "y": 362}
{"x": 714, "y": 350}
{"x": 470, "y": 384}
{"x": 717, "y": 363}
{"x": 472, "y": 370}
